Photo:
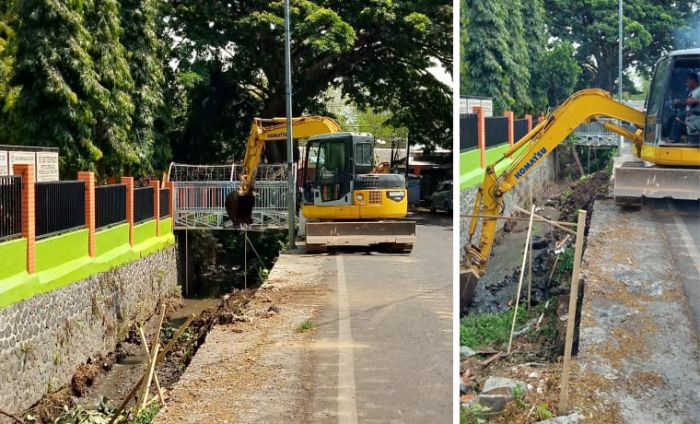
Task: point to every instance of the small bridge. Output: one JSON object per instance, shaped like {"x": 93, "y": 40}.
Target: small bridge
{"x": 595, "y": 134}
{"x": 200, "y": 195}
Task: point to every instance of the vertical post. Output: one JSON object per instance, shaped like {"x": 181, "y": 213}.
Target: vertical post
{"x": 291, "y": 196}
{"x": 571, "y": 314}
{"x": 129, "y": 182}
{"x": 156, "y": 204}
{"x": 89, "y": 179}
{"x": 619, "y": 66}
{"x": 511, "y": 126}
{"x": 481, "y": 133}
{"x": 522, "y": 274}
{"x": 529, "y": 122}
{"x": 245, "y": 258}
{"x": 171, "y": 186}
{"x": 187, "y": 266}
{"x": 28, "y": 212}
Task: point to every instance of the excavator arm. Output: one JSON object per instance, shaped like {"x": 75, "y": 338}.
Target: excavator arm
{"x": 530, "y": 151}
{"x": 239, "y": 204}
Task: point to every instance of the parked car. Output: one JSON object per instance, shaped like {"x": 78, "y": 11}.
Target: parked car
{"x": 442, "y": 197}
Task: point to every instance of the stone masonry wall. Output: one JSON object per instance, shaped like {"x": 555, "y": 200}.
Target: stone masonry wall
{"x": 517, "y": 196}
{"x": 45, "y": 338}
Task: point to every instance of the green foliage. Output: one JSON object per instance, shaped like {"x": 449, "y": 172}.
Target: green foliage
{"x": 566, "y": 264}
{"x": 101, "y": 414}
{"x": 517, "y": 68}
{"x": 474, "y": 413}
{"x": 543, "y": 412}
{"x": 558, "y": 72}
{"x": 649, "y": 27}
{"x": 478, "y": 330}
{"x": 307, "y": 325}
{"x": 535, "y": 35}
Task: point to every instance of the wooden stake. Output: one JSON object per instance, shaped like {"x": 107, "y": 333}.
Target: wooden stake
{"x": 161, "y": 355}
{"x": 558, "y": 224}
{"x": 147, "y": 351}
{"x": 529, "y": 275}
{"x": 520, "y": 282}
{"x": 151, "y": 371}
{"x": 571, "y": 315}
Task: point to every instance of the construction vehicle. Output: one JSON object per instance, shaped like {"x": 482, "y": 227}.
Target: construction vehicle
{"x": 346, "y": 199}
{"x": 661, "y": 169}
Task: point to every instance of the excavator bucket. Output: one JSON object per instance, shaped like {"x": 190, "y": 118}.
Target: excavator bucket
{"x": 633, "y": 181}
{"x": 467, "y": 284}
{"x": 239, "y": 208}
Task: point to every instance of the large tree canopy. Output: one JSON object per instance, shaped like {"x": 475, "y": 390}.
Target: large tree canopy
{"x": 592, "y": 25}
{"x": 378, "y": 53}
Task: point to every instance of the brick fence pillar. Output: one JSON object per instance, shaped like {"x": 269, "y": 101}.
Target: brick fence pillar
{"x": 529, "y": 122}
{"x": 129, "y": 182}
{"x": 28, "y": 212}
{"x": 156, "y": 204}
{"x": 511, "y": 127}
{"x": 481, "y": 133}
{"x": 89, "y": 179}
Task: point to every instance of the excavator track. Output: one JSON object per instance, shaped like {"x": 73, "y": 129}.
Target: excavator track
{"x": 396, "y": 236}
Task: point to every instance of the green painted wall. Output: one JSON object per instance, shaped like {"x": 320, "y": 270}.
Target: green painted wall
{"x": 59, "y": 250}
{"x": 166, "y": 226}
{"x": 471, "y": 173}
{"x": 144, "y": 231}
{"x": 13, "y": 258}
{"x": 111, "y": 238}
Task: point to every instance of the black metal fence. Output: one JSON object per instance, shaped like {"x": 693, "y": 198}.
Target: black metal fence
{"x": 10, "y": 206}
{"x": 164, "y": 202}
{"x": 59, "y": 207}
{"x": 468, "y": 131}
{"x": 110, "y": 205}
{"x": 496, "y": 130}
{"x": 143, "y": 204}
{"x": 519, "y": 128}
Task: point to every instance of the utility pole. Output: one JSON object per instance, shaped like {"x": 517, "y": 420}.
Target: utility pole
{"x": 619, "y": 67}
{"x": 291, "y": 196}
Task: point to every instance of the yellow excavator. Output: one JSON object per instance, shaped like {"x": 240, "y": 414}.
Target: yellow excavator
{"x": 347, "y": 200}
{"x": 665, "y": 141}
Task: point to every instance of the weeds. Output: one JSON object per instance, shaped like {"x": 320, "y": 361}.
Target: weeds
{"x": 543, "y": 412}
{"x": 473, "y": 414}
{"x": 484, "y": 329}
{"x": 308, "y": 325}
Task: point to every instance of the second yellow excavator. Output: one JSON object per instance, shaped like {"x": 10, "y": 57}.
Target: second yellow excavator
{"x": 665, "y": 139}
{"x": 346, "y": 200}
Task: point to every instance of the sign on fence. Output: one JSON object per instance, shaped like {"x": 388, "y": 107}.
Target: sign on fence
{"x": 4, "y": 170}
{"x": 44, "y": 159}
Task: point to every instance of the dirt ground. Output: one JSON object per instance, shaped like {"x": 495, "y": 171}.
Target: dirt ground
{"x": 260, "y": 353}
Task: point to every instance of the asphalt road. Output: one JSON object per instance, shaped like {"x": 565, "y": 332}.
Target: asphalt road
{"x": 384, "y": 344}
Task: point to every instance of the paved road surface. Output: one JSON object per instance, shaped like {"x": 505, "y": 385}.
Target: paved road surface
{"x": 391, "y": 322}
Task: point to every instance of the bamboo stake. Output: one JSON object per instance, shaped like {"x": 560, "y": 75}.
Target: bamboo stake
{"x": 151, "y": 371}
{"x": 571, "y": 314}
{"x": 529, "y": 275}
{"x": 146, "y": 350}
{"x": 162, "y": 354}
{"x": 520, "y": 282}
{"x": 518, "y": 218}
{"x": 557, "y": 224}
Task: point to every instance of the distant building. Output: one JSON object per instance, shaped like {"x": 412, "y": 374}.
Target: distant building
{"x": 467, "y": 103}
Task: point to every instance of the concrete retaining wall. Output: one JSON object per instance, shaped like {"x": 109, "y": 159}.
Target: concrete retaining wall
{"x": 45, "y": 338}
{"x": 519, "y": 196}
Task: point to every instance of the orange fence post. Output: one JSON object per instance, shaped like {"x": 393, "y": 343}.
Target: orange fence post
{"x": 89, "y": 179}
{"x": 511, "y": 127}
{"x": 28, "y": 212}
{"x": 129, "y": 182}
{"x": 481, "y": 133}
{"x": 529, "y": 122}
{"x": 156, "y": 203}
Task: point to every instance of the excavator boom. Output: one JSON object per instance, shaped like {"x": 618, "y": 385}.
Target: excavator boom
{"x": 239, "y": 205}
{"x": 530, "y": 151}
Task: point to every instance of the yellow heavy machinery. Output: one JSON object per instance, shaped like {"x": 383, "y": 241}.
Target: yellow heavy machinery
{"x": 664, "y": 168}
{"x": 346, "y": 201}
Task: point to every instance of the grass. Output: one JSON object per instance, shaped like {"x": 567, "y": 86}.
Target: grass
{"x": 484, "y": 329}
{"x": 308, "y": 325}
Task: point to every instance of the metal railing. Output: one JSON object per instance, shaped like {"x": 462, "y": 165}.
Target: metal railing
{"x": 468, "y": 131}
{"x": 110, "y": 205}
{"x": 519, "y": 129}
{"x": 594, "y": 134}
{"x": 143, "y": 204}
{"x": 164, "y": 202}
{"x": 10, "y": 207}
{"x": 496, "y": 129}
{"x": 59, "y": 207}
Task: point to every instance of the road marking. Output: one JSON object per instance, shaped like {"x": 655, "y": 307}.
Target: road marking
{"x": 347, "y": 409}
{"x": 687, "y": 239}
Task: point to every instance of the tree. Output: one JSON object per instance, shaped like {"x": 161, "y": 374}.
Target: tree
{"x": 559, "y": 71}
{"x": 535, "y": 34}
{"x": 7, "y": 92}
{"x": 517, "y": 66}
{"x": 145, "y": 49}
{"x": 377, "y": 53}
{"x": 592, "y": 25}
{"x": 111, "y": 104}
{"x": 57, "y": 81}
{"x": 463, "y": 40}
{"x": 487, "y": 52}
